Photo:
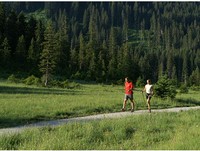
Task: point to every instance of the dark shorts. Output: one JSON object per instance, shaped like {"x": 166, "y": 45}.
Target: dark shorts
{"x": 148, "y": 96}
{"x": 128, "y": 96}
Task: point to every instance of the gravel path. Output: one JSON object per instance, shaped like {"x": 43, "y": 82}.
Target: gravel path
{"x": 88, "y": 118}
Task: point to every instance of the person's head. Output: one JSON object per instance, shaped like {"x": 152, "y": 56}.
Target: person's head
{"x": 148, "y": 81}
{"x": 127, "y": 79}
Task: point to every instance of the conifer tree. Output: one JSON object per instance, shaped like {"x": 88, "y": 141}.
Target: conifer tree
{"x": 62, "y": 47}
{"x": 5, "y": 53}
{"x": 39, "y": 37}
{"x": 31, "y": 51}
{"x": 48, "y": 56}
{"x": 185, "y": 67}
{"x": 2, "y": 20}
{"x": 21, "y": 52}
{"x": 81, "y": 53}
{"x": 10, "y": 30}
{"x": 112, "y": 65}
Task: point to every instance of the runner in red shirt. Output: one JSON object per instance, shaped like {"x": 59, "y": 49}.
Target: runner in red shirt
{"x": 128, "y": 94}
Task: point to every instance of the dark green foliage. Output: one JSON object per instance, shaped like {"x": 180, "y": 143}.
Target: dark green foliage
{"x": 140, "y": 82}
{"x": 102, "y": 41}
{"x": 32, "y": 80}
{"x": 183, "y": 89}
{"x": 63, "y": 84}
{"x": 13, "y": 78}
{"x": 48, "y": 56}
{"x": 195, "y": 77}
{"x": 165, "y": 88}
{"x": 195, "y": 88}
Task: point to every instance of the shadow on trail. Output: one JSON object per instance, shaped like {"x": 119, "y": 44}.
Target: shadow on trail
{"x": 8, "y": 122}
{"x": 20, "y": 121}
{"x": 27, "y": 90}
{"x": 188, "y": 102}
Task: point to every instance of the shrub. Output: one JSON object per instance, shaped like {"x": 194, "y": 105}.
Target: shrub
{"x": 12, "y": 78}
{"x": 195, "y": 88}
{"x": 32, "y": 80}
{"x": 183, "y": 89}
{"x": 65, "y": 84}
{"x": 55, "y": 83}
{"x": 165, "y": 88}
{"x": 73, "y": 85}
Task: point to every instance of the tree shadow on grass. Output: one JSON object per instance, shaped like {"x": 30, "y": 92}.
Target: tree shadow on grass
{"x": 18, "y": 121}
{"x": 27, "y": 90}
{"x": 7, "y": 122}
{"x": 188, "y": 102}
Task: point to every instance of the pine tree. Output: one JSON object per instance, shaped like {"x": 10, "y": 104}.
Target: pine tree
{"x": 48, "y": 56}
{"x": 10, "y": 30}
{"x": 62, "y": 48}
{"x": 32, "y": 57}
{"x": 81, "y": 54}
{"x": 170, "y": 62}
{"x": 185, "y": 67}
{"x": 30, "y": 31}
{"x": 112, "y": 54}
{"x": 21, "y": 24}
{"x": 165, "y": 88}
{"x": 195, "y": 77}
{"x": 21, "y": 52}
{"x": 86, "y": 19}
{"x": 100, "y": 65}
{"x": 31, "y": 51}
{"x": 5, "y": 53}
{"x": 39, "y": 38}
{"x": 2, "y": 20}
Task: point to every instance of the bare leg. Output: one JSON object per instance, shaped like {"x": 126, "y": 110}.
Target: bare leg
{"x": 148, "y": 103}
{"x": 124, "y": 105}
{"x": 132, "y": 105}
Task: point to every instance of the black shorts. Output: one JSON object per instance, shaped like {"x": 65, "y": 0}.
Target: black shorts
{"x": 128, "y": 96}
{"x": 148, "y": 96}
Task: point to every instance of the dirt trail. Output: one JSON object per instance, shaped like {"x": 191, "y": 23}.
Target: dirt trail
{"x": 88, "y": 118}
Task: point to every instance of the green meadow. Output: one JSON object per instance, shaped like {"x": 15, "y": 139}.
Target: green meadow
{"x": 163, "y": 131}
{"x": 22, "y": 104}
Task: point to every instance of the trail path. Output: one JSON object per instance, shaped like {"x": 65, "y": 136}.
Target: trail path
{"x": 89, "y": 118}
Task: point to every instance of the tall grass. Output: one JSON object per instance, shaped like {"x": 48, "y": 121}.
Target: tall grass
{"x": 174, "y": 131}
{"x": 21, "y": 104}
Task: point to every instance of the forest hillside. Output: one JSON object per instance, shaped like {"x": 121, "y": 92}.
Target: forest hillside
{"x": 101, "y": 41}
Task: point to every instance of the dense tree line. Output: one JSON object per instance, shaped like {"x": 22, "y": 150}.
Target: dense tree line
{"x": 102, "y": 41}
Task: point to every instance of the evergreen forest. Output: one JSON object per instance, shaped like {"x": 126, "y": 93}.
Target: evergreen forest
{"x": 101, "y": 41}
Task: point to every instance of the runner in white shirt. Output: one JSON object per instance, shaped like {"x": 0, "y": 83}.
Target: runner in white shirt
{"x": 148, "y": 88}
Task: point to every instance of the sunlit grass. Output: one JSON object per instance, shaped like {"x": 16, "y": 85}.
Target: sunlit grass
{"x": 175, "y": 131}
{"x": 21, "y": 104}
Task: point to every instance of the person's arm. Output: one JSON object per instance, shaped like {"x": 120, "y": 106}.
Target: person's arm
{"x": 131, "y": 88}
{"x": 152, "y": 90}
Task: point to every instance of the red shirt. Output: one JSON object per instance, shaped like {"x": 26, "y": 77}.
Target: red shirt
{"x": 128, "y": 88}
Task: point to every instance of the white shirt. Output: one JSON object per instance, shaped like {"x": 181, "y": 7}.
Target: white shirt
{"x": 148, "y": 88}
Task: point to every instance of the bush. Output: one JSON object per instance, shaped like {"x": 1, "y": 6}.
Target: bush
{"x": 77, "y": 75}
{"x": 183, "y": 89}
{"x": 73, "y": 85}
{"x": 165, "y": 88}
{"x": 32, "y": 80}
{"x": 13, "y": 79}
{"x": 195, "y": 88}
{"x": 65, "y": 84}
{"x": 55, "y": 83}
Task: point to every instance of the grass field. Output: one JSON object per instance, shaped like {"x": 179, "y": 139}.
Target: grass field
{"x": 21, "y": 104}
{"x": 163, "y": 131}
